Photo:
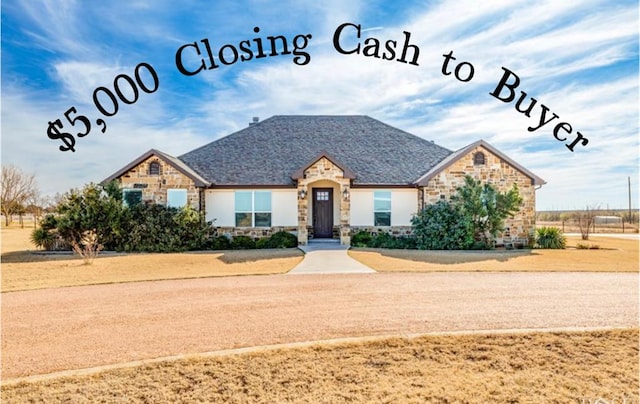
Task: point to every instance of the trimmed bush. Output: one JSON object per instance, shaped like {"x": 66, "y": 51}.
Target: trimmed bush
{"x": 243, "y": 243}
{"x": 219, "y": 243}
{"x": 550, "y": 237}
{"x": 282, "y": 239}
{"x": 361, "y": 239}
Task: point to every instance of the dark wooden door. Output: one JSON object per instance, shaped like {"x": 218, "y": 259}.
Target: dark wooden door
{"x": 323, "y": 212}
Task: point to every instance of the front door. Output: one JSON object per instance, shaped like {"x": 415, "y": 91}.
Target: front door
{"x": 323, "y": 212}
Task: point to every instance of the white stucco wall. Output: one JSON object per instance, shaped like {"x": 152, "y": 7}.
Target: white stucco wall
{"x": 284, "y": 207}
{"x": 362, "y": 207}
{"x": 219, "y": 204}
{"x": 404, "y": 204}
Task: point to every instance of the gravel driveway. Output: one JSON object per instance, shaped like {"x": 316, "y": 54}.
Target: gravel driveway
{"x": 57, "y": 329}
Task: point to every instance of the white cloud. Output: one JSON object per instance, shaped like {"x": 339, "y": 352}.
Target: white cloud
{"x": 555, "y": 48}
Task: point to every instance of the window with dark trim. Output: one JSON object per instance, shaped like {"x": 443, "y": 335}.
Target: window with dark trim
{"x": 382, "y": 208}
{"x": 478, "y": 159}
{"x": 176, "y": 198}
{"x": 131, "y": 197}
{"x": 154, "y": 168}
{"x": 253, "y": 208}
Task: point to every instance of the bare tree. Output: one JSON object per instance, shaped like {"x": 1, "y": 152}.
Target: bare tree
{"x": 585, "y": 218}
{"x": 16, "y": 189}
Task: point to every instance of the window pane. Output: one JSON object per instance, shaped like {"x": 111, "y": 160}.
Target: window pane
{"x": 243, "y": 219}
{"x": 263, "y": 219}
{"x": 263, "y": 201}
{"x": 382, "y": 219}
{"x": 243, "y": 201}
{"x": 176, "y": 198}
{"x": 382, "y": 201}
{"x": 131, "y": 197}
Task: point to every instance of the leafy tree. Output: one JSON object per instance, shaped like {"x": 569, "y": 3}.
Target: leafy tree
{"x": 91, "y": 208}
{"x": 17, "y": 189}
{"x": 486, "y": 207}
{"x": 442, "y": 226}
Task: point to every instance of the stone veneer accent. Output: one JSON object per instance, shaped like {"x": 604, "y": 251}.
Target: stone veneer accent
{"x": 157, "y": 185}
{"x": 500, "y": 174}
{"x": 395, "y": 231}
{"x": 323, "y": 169}
{"x": 253, "y": 232}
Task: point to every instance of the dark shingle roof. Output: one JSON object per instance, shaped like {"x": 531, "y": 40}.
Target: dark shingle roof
{"x": 269, "y": 152}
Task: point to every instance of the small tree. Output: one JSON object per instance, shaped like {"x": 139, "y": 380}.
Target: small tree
{"x": 87, "y": 247}
{"x": 486, "y": 207}
{"x": 585, "y": 219}
{"x": 91, "y": 209}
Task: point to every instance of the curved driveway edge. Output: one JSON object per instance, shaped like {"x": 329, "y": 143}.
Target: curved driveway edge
{"x": 50, "y": 330}
{"x": 291, "y": 345}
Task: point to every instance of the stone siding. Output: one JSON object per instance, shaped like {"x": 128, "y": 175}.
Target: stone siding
{"x": 154, "y": 187}
{"x": 253, "y": 232}
{"x": 396, "y": 231}
{"x": 323, "y": 169}
{"x": 500, "y": 174}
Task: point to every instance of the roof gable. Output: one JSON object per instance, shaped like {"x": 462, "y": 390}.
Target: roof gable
{"x": 174, "y": 162}
{"x": 347, "y": 173}
{"x": 458, "y": 154}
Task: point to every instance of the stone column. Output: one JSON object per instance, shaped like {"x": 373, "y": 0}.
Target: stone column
{"x": 303, "y": 214}
{"x": 345, "y": 213}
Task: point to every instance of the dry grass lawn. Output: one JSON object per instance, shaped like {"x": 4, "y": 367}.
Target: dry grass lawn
{"x": 504, "y": 368}
{"x": 614, "y": 255}
{"x": 23, "y": 270}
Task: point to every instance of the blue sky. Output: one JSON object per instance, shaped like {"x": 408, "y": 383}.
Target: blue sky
{"x": 579, "y": 59}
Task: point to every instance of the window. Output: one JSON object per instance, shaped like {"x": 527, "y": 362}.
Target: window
{"x": 131, "y": 197}
{"x": 382, "y": 208}
{"x": 322, "y": 196}
{"x": 253, "y": 208}
{"x": 176, "y": 198}
{"x": 478, "y": 159}
{"x": 154, "y": 168}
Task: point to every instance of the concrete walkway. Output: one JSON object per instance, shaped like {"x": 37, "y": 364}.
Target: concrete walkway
{"x": 328, "y": 257}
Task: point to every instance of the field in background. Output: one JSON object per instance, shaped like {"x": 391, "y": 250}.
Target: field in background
{"x": 608, "y": 221}
{"x": 528, "y": 367}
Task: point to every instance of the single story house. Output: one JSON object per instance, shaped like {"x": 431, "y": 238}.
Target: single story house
{"x": 322, "y": 177}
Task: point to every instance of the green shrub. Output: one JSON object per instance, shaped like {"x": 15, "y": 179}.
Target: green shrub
{"x": 282, "y": 239}
{"x": 550, "y": 237}
{"x": 382, "y": 240}
{"x": 441, "y": 226}
{"x": 361, "y": 239}
{"x": 44, "y": 238}
{"x": 263, "y": 243}
{"x": 243, "y": 243}
{"x": 219, "y": 243}
{"x": 151, "y": 228}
